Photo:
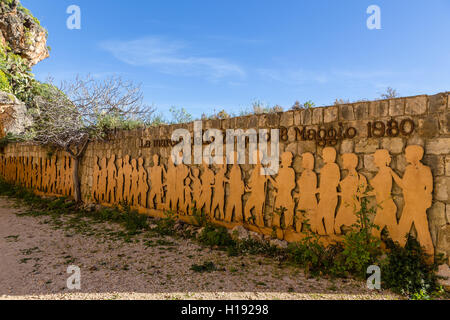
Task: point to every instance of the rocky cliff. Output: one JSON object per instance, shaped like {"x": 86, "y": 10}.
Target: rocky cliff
{"x": 22, "y": 33}
{"x": 23, "y": 43}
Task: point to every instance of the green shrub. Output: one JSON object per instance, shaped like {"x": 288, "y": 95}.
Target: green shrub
{"x": 205, "y": 267}
{"x": 117, "y": 121}
{"x": 252, "y": 246}
{"x": 165, "y": 226}
{"x": 200, "y": 218}
{"x": 132, "y": 220}
{"x": 4, "y": 82}
{"x": 408, "y": 271}
{"x": 310, "y": 254}
{"x": 360, "y": 248}
{"x": 216, "y": 236}
{"x": 357, "y": 254}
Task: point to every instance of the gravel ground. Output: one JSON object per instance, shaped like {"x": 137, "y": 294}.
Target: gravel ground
{"x": 36, "y": 251}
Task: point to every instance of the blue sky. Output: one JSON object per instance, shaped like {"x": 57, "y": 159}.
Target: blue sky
{"x": 207, "y": 55}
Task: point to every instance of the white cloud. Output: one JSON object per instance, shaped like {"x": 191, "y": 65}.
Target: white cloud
{"x": 295, "y": 76}
{"x": 171, "y": 57}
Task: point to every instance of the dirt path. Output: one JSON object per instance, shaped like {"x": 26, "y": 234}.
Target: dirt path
{"x": 35, "y": 252}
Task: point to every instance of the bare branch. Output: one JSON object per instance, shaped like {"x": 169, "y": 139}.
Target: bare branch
{"x": 81, "y": 110}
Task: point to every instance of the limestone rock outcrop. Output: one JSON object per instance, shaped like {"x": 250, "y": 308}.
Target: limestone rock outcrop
{"x": 23, "y": 43}
{"x": 13, "y": 115}
{"x": 22, "y": 33}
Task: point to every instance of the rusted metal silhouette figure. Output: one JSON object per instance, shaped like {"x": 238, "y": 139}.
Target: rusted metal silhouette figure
{"x": 307, "y": 200}
{"x": 182, "y": 172}
{"x": 196, "y": 187}
{"x": 284, "y": 184}
{"x": 417, "y": 186}
{"x": 157, "y": 173}
{"x": 102, "y": 181}
{"x": 95, "y": 181}
{"x": 35, "y": 175}
{"x": 257, "y": 186}
{"x": 186, "y": 206}
{"x": 39, "y": 174}
{"x": 111, "y": 172}
{"x": 127, "y": 169}
{"x": 237, "y": 188}
{"x": 329, "y": 180}
{"x": 170, "y": 184}
{"x": 207, "y": 183}
{"x": 53, "y": 175}
{"x": 134, "y": 183}
{"x": 386, "y": 215}
{"x": 142, "y": 183}
{"x": 218, "y": 200}
{"x": 353, "y": 187}
{"x": 120, "y": 182}
{"x": 60, "y": 176}
{"x": 68, "y": 177}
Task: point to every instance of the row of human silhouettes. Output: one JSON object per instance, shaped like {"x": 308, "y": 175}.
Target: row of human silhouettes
{"x": 49, "y": 174}
{"x": 181, "y": 188}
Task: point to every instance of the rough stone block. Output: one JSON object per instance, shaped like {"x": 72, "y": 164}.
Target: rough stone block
{"x": 442, "y": 188}
{"x": 367, "y": 146}
{"x": 400, "y": 163}
{"x": 436, "y": 163}
{"x": 416, "y": 105}
{"x": 444, "y": 122}
{"x": 415, "y": 140}
{"x": 436, "y": 218}
{"x": 429, "y": 127}
{"x": 317, "y": 116}
{"x": 292, "y": 147}
{"x": 346, "y": 112}
{"x": 438, "y": 146}
{"x": 393, "y": 145}
{"x": 447, "y": 212}
{"x": 292, "y": 134}
{"x": 444, "y": 274}
{"x": 306, "y": 117}
{"x": 307, "y": 146}
{"x": 297, "y": 117}
{"x": 437, "y": 102}
{"x": 287, "y": 119}
{"x": 369, "y": 164}
{"x": 361, "y": 111}
{"x": 378, "y": 109}
{"x": 396, "y": 107}
{"x": 347, "y": 146}
{"x": 273, "y": 120}
{"x": 262, "y": 122}
{"x": 330, "y": 114}
{"x": 447, "y": 165}
{"x": 297, "y": 163}
{"x": 216, "y": 123}
{"x": 443, "y": 243}
{"x": 241, "y": 123}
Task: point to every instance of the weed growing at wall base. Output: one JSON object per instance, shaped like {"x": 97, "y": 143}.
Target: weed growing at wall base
{"x": 407, "y": 271}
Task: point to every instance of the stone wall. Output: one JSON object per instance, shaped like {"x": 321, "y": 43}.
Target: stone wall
{"x": 351, "y": 128}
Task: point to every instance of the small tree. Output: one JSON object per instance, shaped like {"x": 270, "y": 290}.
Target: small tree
{"x": 307, "y": 105}
{"x": 389, "y": 94}
{"x": 180, "y": 115}
{"x": 83, "y": 110}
